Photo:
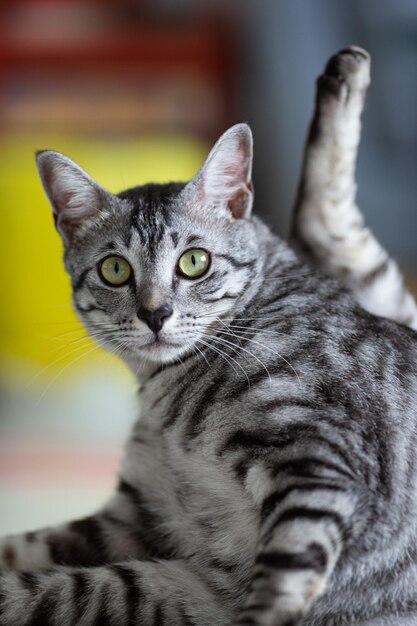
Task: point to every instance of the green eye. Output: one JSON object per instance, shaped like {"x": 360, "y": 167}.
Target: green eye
{"x": 194, "y": 263}
{"x": 115, "y": 270}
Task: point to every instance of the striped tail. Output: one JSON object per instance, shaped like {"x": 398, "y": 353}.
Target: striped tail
{"x": 328, "y": 227}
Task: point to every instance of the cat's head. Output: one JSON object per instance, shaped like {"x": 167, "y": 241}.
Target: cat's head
{"x": 155, "y": 267}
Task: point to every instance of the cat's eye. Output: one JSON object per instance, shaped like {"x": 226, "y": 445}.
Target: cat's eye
{"x": 115, "y": 270}
{"x": 194, "y": 263}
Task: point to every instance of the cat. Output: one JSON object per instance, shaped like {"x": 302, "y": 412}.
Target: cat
{"x": 271, "y": 477}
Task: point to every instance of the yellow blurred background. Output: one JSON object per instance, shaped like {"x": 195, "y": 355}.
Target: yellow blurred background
{"x": 36, "y": 317}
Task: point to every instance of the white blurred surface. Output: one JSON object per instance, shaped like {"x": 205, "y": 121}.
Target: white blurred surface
{"x": 29, "y": 509}
{"x": 60, "y": 450}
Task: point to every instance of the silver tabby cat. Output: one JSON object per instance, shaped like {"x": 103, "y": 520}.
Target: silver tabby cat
{"x": 271, "y": 479}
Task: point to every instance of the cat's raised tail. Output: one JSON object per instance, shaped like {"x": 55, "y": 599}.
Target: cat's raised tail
{"x": 328, "y": 227}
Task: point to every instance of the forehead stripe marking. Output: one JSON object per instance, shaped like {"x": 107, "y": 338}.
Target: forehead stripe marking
{"x": 192, "y": 239}
{"x": 81, "y": 279}
{"x": 237, "y": 264}
{"x": 110, "y": 245}
{"x": 88, "y": 309}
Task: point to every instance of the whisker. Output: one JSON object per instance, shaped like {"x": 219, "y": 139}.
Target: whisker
{"x": 116, "y": 349}
{"x": 201, "y": 353}
{"x": 99, "y": 336}
{"x": 252, "y": 329}
{"x": 267, "y": 348}
{"x": 258, "y": 329}
{"x": 73, "y": 342}
{"x": 178, "y": 358}
{"x": 221, "y": 353}
{"x": 248, "y": 319}
{"x": 60, "y": 358}
{"x": 54, "y": 378}
{"x": 63, "y": 335}
{"x": 141, "y": 364}
{"x": 230, "y": 343}
{"x": 219, "y": 340}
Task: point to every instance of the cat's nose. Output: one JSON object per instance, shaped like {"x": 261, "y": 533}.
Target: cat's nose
{"x": 155, "y": 319}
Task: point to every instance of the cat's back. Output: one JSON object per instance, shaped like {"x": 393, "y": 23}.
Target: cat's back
{"x": 355, "y": 382}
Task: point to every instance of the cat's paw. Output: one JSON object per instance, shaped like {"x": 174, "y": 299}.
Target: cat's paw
{"x": 346, "y": 73}
{"x": 22, "y": 552}
{"x": 8, "y": 555}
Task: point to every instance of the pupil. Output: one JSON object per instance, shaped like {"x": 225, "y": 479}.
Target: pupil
{"x": 193, "y": 261}
{"x": 116, "y": 267}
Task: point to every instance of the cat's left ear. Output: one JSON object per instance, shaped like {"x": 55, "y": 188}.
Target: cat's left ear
{"x": 75, "y": 196}
{"x": 225, "y": 180}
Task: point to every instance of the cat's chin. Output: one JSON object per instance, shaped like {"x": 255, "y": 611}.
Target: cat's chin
{"x": 164, "y": 351}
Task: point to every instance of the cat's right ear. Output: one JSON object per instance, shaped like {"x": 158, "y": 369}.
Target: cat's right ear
{"x": 225, "y": 180}
{"x": 73, "y": 194}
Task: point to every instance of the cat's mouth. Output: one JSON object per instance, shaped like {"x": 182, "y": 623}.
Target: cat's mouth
{"x": 162, "y": 351}
{"x": 159, "y": 343}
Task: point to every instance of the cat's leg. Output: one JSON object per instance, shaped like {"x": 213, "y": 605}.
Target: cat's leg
{"x": 328, "y": 226}
{"x": 125, "y": 528}
{"x": 308, "y": 513}
{"x": 130, "y": 593}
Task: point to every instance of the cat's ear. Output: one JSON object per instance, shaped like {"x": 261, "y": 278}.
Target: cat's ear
{"x": 225, "y": 180}
{"x": 73, "y": 194}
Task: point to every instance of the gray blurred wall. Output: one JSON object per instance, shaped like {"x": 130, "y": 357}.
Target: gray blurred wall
{"x": 287, "y": 43}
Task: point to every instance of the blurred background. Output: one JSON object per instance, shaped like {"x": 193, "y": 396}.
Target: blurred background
{"x": 137, "y": 91}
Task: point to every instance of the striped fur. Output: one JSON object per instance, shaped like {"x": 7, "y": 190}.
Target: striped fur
{"x": 271, "y": 477}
